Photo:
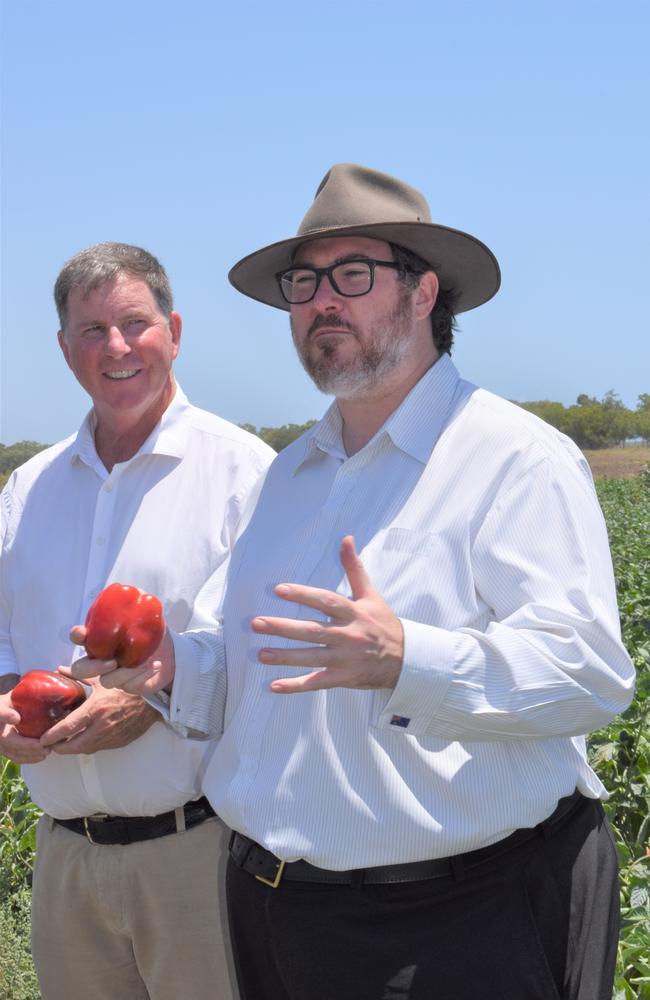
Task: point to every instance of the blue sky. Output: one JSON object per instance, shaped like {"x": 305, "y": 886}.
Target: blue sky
{"x": 201, "y": 133}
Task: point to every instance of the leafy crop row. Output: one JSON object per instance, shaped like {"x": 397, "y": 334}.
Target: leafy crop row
{"x": 621, "y": 752}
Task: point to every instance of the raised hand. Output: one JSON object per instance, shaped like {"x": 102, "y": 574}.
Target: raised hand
{"x": 361, "y": 645}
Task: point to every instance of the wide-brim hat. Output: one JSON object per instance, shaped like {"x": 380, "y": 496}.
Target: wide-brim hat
{"x": 357, "y": 201}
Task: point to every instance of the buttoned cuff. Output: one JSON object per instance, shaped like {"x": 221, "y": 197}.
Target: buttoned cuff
{"x": 429, "y": 659}
{"x": 199, "y": 689}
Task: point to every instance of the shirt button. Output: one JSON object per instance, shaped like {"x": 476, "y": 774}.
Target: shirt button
{"x": 107, "y": 488}
{"x": 100, "y": 540}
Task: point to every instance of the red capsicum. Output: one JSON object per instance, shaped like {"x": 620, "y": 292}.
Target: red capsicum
{"x": 124, "y": 624}
{"x": 42, "y": 698}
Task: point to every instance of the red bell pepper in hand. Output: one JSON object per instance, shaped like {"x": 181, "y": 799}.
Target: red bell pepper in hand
{"x": 124, "y": 624}
{"x": 42, "y": 698}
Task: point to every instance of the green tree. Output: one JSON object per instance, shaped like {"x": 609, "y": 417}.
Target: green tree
{"x": 642, "y": 417}
{"x": 13, "y": 455}
{"x": 553, "y": 413}
{"x": 279, "y": 437}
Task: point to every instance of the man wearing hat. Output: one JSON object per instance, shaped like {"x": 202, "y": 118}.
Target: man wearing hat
{"x": 419, "y": 627}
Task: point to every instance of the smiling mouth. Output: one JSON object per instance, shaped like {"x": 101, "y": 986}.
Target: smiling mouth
{"x": 128, "y": 373}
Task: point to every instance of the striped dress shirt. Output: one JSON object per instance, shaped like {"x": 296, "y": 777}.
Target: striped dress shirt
{"x": 479, "y": 525}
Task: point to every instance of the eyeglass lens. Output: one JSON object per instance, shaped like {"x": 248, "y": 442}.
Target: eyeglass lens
{"x": 352, "y": 277}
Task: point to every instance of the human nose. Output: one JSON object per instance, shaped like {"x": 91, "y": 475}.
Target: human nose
{"x": 116, "y": 345}
{"x": 326, "y": 296}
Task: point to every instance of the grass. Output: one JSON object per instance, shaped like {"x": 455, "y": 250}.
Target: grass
{"x": 618, "y": 463}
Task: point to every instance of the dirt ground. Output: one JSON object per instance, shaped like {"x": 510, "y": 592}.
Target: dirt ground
{"x": 618, "y": 463}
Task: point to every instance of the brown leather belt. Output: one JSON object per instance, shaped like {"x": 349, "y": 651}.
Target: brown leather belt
{"x": 101, "y": 829}
{"x": 269, "y": 869}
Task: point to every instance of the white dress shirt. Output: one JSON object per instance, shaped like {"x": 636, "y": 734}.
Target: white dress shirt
{"x": 163, "y": 521}
{"x": 479, "y": 525}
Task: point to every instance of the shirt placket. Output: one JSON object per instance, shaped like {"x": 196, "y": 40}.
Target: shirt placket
{"x": 99, "y": 562}
{"x": 311, "y": 568}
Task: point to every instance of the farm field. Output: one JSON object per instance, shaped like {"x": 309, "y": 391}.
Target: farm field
{"x": 620, "y": 754}
{"x": 618, "y": 463}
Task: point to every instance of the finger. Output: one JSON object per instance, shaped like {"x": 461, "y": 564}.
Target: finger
{"x": 29, "y": 756}
{"x": 360, "y": 582}
{"x": 301, "y": 631}
{"x": 331, "y": 604}
{"x": 75, "y": 745}
{"x": 318, "y": 680}
{"x": 9, "y": 716}
{"x": 24, "y": 749}
{"x": 85, "y": 667}
{"x": 307, "y": 656}
{"x": 72, "y": 725}
{"x": 128, "y": 679}
{"x": 144, "y": 680}
{"x": 78, "y": 634}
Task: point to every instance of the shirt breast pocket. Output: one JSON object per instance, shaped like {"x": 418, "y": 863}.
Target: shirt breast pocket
{"x": 422, "y": 576}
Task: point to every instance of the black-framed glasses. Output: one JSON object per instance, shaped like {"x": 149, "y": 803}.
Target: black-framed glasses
{"x": 350, "y": 278}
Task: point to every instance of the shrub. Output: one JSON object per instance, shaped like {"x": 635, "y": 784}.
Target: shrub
{"x": 621, "y": 752}
{"x": 17, "y": 976}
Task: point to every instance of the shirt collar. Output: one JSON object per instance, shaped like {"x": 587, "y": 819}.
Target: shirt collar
{"x": 414, "y": 426}
{"x": 167, "y": 438}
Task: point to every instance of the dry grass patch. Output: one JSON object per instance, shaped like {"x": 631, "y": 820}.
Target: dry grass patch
{"x": 618, "y": 463}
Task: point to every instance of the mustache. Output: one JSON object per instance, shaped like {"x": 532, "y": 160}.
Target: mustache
{"x": 329, "y": 321}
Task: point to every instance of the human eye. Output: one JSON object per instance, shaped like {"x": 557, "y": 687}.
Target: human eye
{"x": 298, "y": 284}
{"x": 93, "y": 331}
{"x": 354, "y": 272}
{"x": 134, "y": 323}
{"x": 299, "y": 279}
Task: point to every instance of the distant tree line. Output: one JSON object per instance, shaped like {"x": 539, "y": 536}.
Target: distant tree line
{"x": 592, "y": 423}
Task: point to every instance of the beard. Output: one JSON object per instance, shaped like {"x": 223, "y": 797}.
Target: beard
{"x": 345, "y": 377}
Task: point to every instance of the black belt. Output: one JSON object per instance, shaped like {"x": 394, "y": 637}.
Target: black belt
{"x": 101, "y": 829}
{"x": 267, "y": 868}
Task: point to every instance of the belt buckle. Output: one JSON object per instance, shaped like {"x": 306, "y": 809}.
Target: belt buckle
{"x": 273, "y": 883}
{"x": 86, "y": 829}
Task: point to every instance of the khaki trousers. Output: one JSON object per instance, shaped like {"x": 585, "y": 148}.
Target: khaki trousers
{"x": 145, "y": 921}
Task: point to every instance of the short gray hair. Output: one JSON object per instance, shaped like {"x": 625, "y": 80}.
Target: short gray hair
{"x": 103, "y": 262}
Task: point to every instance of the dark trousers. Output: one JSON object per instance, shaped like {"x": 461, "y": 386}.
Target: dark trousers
{"x": 540, "y": 922}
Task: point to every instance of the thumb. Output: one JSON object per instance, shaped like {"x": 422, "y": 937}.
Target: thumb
{"x": 9, "y": 716}
{"x": 355, "y": 570}
{"x": 78, "y": 634}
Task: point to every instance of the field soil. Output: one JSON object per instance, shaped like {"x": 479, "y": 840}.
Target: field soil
{"x": 618, "y": 463}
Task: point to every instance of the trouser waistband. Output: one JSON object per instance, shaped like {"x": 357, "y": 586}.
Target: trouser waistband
{"x": 103, "y": 829}
{"x": 266, "y": 867}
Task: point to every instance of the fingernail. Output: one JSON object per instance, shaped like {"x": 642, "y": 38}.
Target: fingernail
{"x": 282, "y": 589}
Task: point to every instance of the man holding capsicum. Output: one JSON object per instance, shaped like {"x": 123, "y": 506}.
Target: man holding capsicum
{"x": 402, "y": 756}
{"x": 150, "y": 494}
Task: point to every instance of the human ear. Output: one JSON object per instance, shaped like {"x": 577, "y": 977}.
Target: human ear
{"x": 63, "y": 345}
{"x": 175, "y": 327}
{"x": 426, "y": 294}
